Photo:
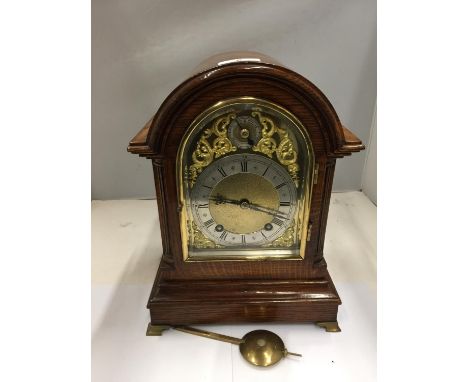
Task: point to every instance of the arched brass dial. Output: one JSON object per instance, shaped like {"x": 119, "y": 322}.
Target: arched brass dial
{"x": 244, "y": 181}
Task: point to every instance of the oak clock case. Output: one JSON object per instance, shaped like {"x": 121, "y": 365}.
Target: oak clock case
{"x": 243, "y": 155}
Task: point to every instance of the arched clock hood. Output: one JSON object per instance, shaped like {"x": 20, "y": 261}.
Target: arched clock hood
{"x": 240, "y": 74}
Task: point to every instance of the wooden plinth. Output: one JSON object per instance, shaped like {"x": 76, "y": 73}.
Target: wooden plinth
{"x": 191, "y": 302}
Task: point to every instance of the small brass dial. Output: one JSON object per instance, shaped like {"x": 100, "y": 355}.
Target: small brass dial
{"x": 244, "y": 131}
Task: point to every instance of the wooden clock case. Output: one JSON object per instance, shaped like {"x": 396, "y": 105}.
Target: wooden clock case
{"x": 208, "y": 292}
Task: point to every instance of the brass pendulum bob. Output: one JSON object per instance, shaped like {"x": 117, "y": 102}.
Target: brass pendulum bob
{"x": 259, "y": 347}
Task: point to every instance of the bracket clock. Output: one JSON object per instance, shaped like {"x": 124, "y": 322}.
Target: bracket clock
{"x": 243, "y": 155}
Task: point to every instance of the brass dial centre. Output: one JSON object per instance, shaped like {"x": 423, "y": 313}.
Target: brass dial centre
{"x": 247, "y": 189}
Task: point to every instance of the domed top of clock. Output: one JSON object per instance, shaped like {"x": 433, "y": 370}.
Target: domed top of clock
{"x": 234, "y": 57}
{"x": 237, "y": 74}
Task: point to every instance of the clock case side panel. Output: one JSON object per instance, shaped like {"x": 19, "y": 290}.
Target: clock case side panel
{"x": 316, "y": 298}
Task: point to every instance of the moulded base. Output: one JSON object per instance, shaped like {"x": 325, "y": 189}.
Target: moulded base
{"x": 189, "y": 302}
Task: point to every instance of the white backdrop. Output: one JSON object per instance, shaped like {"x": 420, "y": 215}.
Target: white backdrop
{"x": 142, "y": 49}
{"x": 369, "y": 174}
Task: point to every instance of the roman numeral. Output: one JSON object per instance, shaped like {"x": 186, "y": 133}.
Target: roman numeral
{"x": 243, "y": 239}
{"x": 208, "y": 223}
{"x": 264, "y": 172}
{"x": 223, "y": 235}
{"x": 204, "y": 205}
{"x": 277, "y": 221}
{"x": 208, "y": 187}
{"x": 263, "y": 234}
{"x": 285, "y": 204}
{"x": 222, "y": 172}
{"x": 244, "y": 166}
{"x": 280, "y": 185}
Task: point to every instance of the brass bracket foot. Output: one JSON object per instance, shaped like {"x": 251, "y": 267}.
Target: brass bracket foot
{"x": 329, "y": 326}
{"x": 156, "y": 330}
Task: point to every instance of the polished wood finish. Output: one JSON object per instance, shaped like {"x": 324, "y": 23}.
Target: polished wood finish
{"x": 187, "y": 293}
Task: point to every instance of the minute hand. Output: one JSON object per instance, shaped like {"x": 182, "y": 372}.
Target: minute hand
{"x": 268, "y": 211}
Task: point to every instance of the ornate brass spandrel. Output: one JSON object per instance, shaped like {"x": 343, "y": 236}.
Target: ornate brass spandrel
{"x": 198, "y": 239}
{"x": 284, "y": 150}
{"x": 206, "y": 151}
{"x": 287, "y": 239}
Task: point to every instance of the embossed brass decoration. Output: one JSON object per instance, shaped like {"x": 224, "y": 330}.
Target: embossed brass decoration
{"x": 205, "y": 151}
{"x": 199, "y": 240}
{"x": 284, "y": 150}
{"x": 287, "y": 239}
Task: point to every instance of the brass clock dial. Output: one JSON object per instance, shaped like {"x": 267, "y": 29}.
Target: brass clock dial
{"x": 244, "y": 200}
{"x": 244, "y": 183}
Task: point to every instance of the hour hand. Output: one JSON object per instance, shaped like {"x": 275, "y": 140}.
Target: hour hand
{"x": 219, "y": 199}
